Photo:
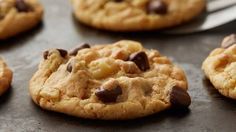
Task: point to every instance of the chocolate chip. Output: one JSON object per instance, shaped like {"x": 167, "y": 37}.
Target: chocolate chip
{"x": 118, "y": 0}
{"x": 45, "y": 54}
{"x": 157, "y": 7}
{"x": 179, "y": 97}
{"x": 80, "y": 47}
{"x": 140, "y": 59}
{"x": 108, "y": 95}
{"x": 22, "y": 6}
{"x": 63, "y": 52}
{"x": 69, "y": 67}
{"x": 228, "y": 41}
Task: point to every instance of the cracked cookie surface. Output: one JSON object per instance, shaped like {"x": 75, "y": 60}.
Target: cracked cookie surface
{"x": 17, "y": 16}
{"x": 136, "y": 15}
{"x": 5, "y": 76}
{"x": 220, "y": 67}
{"x": 112, "y": 82}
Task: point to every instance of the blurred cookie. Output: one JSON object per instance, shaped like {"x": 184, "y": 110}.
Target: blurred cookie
{"x": 17, "y": 16}
{"x": 220, "y": 67}
{"x": 115, "y": 81}
{"x": 136, "y": 15}
{"x": 5, "y": 76}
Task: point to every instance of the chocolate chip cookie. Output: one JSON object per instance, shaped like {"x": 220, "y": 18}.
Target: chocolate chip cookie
{"x": 17, "y": 16}
{"x": 220, "y": 67}
{"x": 5, "y": 76}
{"x": 136, "y": 15}
{"x": 111, "y": 82}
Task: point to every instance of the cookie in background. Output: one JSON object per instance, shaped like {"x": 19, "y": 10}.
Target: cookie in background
{"x": 17, "y": 16}
{"x": 5, "y": 76}
{"x": 220, "y": 67}
{"x": 136, "y": 15}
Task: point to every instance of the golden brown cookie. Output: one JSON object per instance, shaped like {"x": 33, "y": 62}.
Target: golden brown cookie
{"x": 220, "y": 67}
{"x": 115, "y": 81}
{"x": 5, "y": 76}
{"x": 17, "y": 16}
{"x": 136, "y": 15}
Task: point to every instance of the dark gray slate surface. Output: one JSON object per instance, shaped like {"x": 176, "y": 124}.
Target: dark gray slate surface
{"x": 209, "y": 110}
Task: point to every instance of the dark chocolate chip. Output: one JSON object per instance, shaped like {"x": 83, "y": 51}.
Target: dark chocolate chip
{"x": 179, "y": 97}
{"x": 69, "y": 67}
{"x": 140, "y": 59}
{"x": 118, "y": 0}
{"x": 228, "y": 41}
{"x": 157, "y": 7}
{"x": 83, "y": 46}
{"x": 63, "y": 52}
{"x": 108, "y": 95}
{"x": 45, "y": 54}
{"x": 22, "y": 6}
